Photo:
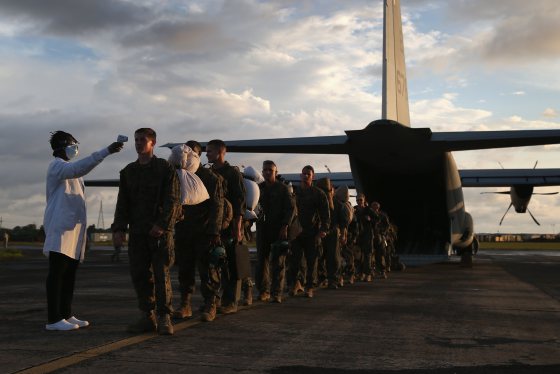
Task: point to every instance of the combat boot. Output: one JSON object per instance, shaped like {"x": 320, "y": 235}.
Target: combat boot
{"x": 146, "y": 323}
{"x": 209, "y": 313}
{"x": 229, "y": 309}
{"x": 164, "y": 326}
{"x": 296, "y": 289}
{"x": 264, "y": 296}
{"x": 248, "y": 295}
{"x": 185, "y": 310}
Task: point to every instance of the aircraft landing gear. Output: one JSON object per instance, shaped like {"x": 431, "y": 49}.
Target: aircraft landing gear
{"x": 467, "y": 258}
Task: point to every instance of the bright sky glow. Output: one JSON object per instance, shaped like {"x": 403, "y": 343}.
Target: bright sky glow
{"x": 261, "y": 69}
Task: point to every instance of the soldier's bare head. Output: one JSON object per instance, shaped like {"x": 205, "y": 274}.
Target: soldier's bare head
{"x": 361, "y": 199}
{"x": 269, "y": 171}
{"x": 147, "y": 132}
{"x": 306, "y": 175}
{"x": 216, "y": 151}
{"x": 144, "y": 141}
{"x": 195, "y": 146}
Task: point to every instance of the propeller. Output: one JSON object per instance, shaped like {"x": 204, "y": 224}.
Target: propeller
{"x": 512, "y": 193}
{"x": 504, "y": 216}
{"x": 533, "y": 217}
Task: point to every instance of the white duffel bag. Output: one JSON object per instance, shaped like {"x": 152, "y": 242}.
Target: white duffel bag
{"x": 187, "y": 161}
{"x": 251, "y": 179}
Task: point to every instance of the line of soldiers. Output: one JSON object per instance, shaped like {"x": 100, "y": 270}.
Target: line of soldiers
{"x": 307, "y": 239}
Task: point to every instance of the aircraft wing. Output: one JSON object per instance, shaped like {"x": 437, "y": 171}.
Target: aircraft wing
{"x": 509, "y": 177}
{"x": 337, "y": 178}
{"x": 470, "y": 140}
{"x": 303, "y": 145}
{"x": 102, "y": 183}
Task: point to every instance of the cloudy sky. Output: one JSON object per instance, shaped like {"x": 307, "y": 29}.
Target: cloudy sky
{"x": 247, "y": 69}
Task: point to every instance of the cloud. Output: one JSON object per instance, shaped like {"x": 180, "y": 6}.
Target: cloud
{"x": 550, "y": 113}
{"x": 71, "y": 17}
{"x": 442, "y": 114}
{"x": 513, "y": 31}
{"x": 243, "y": 69}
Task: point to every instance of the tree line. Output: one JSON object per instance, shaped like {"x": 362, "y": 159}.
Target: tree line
{"x": 30, "y": 233}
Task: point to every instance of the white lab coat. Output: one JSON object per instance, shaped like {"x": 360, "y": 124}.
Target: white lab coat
{"x": 65, "y": 214}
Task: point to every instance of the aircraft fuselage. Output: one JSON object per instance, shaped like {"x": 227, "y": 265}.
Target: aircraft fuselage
{"x": 415, "y": 182}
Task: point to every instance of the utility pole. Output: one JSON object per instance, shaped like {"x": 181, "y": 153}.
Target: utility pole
{"x": 100, "y": 219}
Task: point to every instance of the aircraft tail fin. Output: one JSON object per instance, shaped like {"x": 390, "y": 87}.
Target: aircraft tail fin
{"x": 395, "y": 88}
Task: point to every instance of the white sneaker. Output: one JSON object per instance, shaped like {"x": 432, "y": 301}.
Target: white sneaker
{"x": 61, "y": 325}
{"x": 78, "y": 322}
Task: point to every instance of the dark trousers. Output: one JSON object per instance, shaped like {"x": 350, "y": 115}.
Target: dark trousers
{"x": 271, "y": 266}
{"x": 150, "y": 259}
{"x": 304, "y": 245}
{"x": 331, "y": 246}
{"x": 380, "y": 253}
{"x": 60, "y": 286}
{"x": 231, "y": 286}
{"x": 367, "y": 265}
{"x": 192, "y": 250}
{"x": 347, "y": 253}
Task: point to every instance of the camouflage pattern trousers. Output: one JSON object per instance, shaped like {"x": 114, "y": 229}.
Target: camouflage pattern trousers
{"x": 306, "y": 246}
{"x": 271, "y": 266}
{"x": 192, "y": 249}
{"x": 150, "y": 260}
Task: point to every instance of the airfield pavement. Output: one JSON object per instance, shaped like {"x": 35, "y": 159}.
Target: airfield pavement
{"x": 501, "y": 316}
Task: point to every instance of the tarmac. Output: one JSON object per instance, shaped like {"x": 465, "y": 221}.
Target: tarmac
{"x": 501, "y": 316}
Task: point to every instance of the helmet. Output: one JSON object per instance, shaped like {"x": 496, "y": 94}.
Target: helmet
{"x": 280, "y": 247}
{"x": 217, "y": 256}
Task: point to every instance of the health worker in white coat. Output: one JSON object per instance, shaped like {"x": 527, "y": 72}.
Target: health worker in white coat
{"x": 65, "y": 225}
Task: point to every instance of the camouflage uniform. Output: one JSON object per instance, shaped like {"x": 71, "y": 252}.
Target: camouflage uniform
{"x": 234, "y": 191}
{"x": 149, "y": 195}
{"x": 192, "y": 239}
{"x": 277, "y": 210}
{"x": 365, "y": 241}
{"x": 348, "y": 249}
{"x": 380, "y": 226}
{"x": 330, "y": 260}
{"x": 313, "y": 214}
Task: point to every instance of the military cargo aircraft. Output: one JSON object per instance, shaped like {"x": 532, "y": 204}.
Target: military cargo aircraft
{"x": 411, "y": 171}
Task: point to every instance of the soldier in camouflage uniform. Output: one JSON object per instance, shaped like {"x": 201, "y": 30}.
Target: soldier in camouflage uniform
{"x": 365, "y": 239}
{"x": 314, "y": 217}
{"x": 234, "y": 191}
{"x": 195, "y": 236}
{"x": 380, "y": 225}
{"x": 277, "y": 212}
{"x": 345, "y": 213}
{"x": 147, "y": 205}
{"x": 330, "y": 242}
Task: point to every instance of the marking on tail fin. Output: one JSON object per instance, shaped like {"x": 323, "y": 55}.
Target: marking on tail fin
{"x": 395, "y": 87}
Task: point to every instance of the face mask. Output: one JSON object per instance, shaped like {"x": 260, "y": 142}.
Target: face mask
{"x": 71, "y": 151}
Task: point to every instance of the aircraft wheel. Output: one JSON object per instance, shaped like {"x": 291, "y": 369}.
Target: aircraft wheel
{"x": 467, "y": 258}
